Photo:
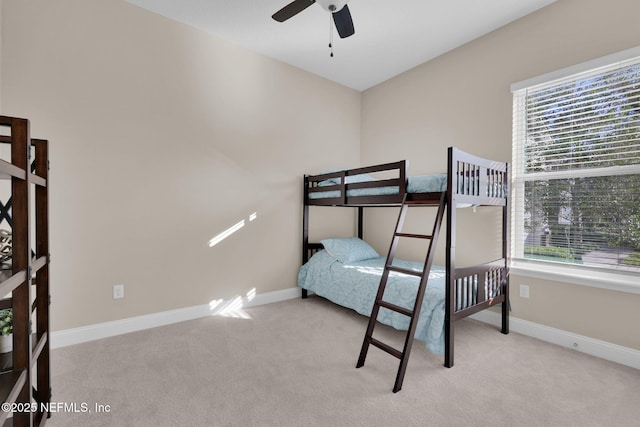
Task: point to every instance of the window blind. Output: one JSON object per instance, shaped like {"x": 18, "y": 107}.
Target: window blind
{"x": 576, "y": 169}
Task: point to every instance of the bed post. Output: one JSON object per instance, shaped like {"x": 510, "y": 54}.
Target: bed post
{"x": 506, "y": 237}
{"x": 305, "y": 227}
{"x": 450, "y": 262}
{"x": 360, "y": 221}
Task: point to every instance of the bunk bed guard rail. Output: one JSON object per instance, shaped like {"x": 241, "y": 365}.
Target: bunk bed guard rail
{"x": 339, "y": 185}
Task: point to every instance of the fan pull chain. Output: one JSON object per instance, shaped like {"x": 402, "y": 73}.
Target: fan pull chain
{"x": 331, "y": 35}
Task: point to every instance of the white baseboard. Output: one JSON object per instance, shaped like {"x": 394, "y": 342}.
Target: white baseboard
{"x": 232, "y": 307}
{"x": 615, "y": 353}
{"x": 602, "y": 349}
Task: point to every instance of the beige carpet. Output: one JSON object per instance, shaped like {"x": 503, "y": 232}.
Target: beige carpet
{"x": 293, "y": 364}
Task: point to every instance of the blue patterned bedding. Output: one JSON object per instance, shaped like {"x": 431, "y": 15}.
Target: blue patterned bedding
{"x": 354, "y": 285}
{"x": 416, "y": 184}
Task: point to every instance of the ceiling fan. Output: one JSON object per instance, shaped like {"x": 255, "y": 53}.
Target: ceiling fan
{"x": 338, "y": 9}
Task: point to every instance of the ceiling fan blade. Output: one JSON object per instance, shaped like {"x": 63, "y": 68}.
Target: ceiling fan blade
{"x": 344, "y": 23}
{"x": 292, "y": 9}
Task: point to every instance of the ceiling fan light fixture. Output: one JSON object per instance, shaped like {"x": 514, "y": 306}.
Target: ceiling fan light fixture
{"x": 332, "y": 6}
{"x": 338, "y": 9}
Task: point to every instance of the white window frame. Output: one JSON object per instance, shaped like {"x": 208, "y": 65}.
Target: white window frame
{"x": 579, "y": 275}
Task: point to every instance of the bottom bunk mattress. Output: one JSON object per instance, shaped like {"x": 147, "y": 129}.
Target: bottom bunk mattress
{"x": 354, "y": 285}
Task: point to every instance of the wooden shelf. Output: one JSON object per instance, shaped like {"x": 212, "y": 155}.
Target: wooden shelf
{"x": 38, "y": 344}
{"x": 13, "y": 282}
{"x": 37, "y": 180}
{"x": 25, "y": 376}
{"x": 11, "y": 383}
{"x": 7, "y": 170}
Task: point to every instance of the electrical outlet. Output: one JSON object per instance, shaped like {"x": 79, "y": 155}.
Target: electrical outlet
{"x": 524, "y": 291}
{"x": 118, "y": 291}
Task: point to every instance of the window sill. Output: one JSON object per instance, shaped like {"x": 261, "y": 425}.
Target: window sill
{"x": 595, "y": 278}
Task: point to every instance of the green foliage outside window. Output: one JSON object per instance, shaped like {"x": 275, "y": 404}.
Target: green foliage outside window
{"x": 632, "y": 260}
{"x": 550, "y": 252}
{"x": 580, "y": 135}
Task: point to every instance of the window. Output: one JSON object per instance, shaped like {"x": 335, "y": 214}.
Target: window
{"x": 576, "y": 167}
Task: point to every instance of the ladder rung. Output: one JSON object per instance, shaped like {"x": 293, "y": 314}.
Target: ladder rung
{"x": 415, "y": 236}
{"x": 394, "y": 307}
{"x": 382, "y": 346}
{"x": 405, "y": 270}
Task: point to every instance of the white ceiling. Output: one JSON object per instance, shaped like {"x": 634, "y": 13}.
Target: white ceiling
{"x": 391, "y": 36}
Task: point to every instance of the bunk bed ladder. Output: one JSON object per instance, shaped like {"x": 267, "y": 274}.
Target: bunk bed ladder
{"x": 412, "y": 314}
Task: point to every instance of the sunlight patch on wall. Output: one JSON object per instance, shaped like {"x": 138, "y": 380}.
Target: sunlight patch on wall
{"x": 226, "y": 233}
{"x": 229, "y": 231}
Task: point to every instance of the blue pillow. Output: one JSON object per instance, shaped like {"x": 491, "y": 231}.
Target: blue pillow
{"x": 349, "y": 249}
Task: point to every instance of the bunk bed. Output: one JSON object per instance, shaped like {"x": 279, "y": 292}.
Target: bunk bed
{"x": 453, "y": 292}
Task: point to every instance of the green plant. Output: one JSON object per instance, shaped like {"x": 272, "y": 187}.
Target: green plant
{"x": 633, "y": 259}
{"x": 550, "y": 252}
{"x": 6, "y": 321}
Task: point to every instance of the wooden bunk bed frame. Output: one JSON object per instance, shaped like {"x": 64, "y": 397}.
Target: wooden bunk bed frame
{"x": 471, "y": 180}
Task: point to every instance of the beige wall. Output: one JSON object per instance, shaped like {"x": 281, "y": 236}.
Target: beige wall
{"x": 463, "y": 99}
{"x": 163, "y": 136}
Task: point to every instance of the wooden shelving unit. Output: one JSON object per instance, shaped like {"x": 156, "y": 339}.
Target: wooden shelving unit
{"x": 25, "y": 382}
